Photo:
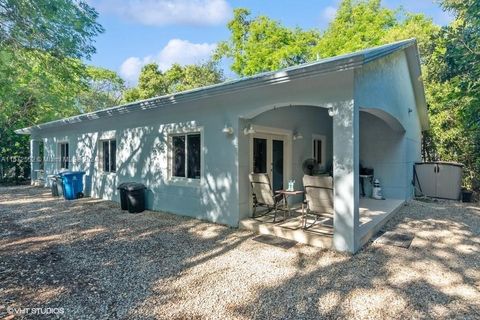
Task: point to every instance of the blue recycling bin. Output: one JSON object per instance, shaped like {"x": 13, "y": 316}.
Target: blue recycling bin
{"x": 72, "y": 184}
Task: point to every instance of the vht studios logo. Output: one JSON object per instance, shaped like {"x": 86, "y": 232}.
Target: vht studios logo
{"x": 48, "y": 310}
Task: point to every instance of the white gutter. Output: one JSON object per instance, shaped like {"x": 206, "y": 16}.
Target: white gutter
{"x": 334, "y": 64}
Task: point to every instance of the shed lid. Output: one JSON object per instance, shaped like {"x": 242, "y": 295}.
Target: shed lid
{"x": 451, "y": 163}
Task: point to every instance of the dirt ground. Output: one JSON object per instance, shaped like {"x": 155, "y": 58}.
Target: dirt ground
{"x": 87, "y": 259}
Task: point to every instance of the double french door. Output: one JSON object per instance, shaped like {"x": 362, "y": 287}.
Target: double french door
{"x": 268, "y": 156}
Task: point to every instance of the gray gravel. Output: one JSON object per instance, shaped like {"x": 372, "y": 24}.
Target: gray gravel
{"x": 97, "y": 262}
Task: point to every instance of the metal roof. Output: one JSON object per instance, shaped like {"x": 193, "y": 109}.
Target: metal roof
{"x": 337, "y": 63}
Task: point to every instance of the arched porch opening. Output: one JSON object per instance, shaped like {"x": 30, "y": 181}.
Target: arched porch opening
{"x": 290, "y": 134}
{"x": 382, "y": 156}
{"x": 382, "y": 148}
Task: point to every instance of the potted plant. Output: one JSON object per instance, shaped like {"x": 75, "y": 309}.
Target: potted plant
{"x": 466, "y": 195}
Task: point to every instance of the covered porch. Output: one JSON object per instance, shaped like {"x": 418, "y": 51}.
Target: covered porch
{"x": 341, "y": 138}
{"x": 373, "y": 216}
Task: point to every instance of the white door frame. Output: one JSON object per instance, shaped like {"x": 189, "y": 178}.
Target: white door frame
{"x": 271, "y": 132}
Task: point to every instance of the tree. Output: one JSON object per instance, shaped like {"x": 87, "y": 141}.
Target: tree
{"x": 41, "y": 43}
{"x": 418, "y": 26}
{"x": 104, "y": 89}
{"x": 261, "y": 44}
{"x": 153, "y": 82}
{"x": 61, "y": 28}
{"x": 455, "y": 96}
{"x": 181, "y": 78}
{"x": 357, "y": 25}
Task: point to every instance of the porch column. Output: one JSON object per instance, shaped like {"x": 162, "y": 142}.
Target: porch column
{"x": 345, "y": 173}
{"x": 34, "y": 163}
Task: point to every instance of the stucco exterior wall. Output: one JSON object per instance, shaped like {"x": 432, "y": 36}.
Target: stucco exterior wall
{"x": 142, "y": 156}
{"x": 142, "y": 145}
{"x": 385, "y": 85}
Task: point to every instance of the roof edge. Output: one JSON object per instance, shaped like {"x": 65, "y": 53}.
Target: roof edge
{"x": 327, "y": 65}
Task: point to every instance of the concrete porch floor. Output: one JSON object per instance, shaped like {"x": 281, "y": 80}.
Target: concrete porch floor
{"x": 373, "y": 215}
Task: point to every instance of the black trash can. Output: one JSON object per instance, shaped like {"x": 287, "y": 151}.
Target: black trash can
{"x": 123, "y": 195}
{"x": 53, "y": 185}
{"x": 135, "y": 197}
{"x": 59, "y": 183}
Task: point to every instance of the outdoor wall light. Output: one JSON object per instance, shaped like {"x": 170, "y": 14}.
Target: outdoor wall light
{"x": 297, "y": 135}
{"x": 249, "y": 130}
{"x": 332, "y": 111}
{"x": 227, "y": 130}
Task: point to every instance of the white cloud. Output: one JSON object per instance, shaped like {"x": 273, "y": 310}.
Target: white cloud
{"x": 168, "y": 12}
{"x": 176, "y": 51}
{"x": 329, "y": 13}
{"x": 130, "y": 68}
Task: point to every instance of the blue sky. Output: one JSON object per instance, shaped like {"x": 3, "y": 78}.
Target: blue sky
{"x": 186, "y": 31}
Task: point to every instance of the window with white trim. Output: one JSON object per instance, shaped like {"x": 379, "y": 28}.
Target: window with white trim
{"x": 318, "y": 149}
{"x": 108, "y": 151}
{"x": 64, "y": 155}
{"x": 186, "y": 155}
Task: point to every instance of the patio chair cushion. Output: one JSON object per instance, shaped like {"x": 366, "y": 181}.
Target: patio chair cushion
{"x": 319, "y": 194}
{"x": 261, "y": 188}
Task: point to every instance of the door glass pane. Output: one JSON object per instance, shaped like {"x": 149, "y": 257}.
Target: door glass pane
{"x": 178, "y": 156}
{"x": 259, "y": 155}
{"x": 113, "y": 155}
{"x": 193, "y": 152}
{"x": 106, "y": 158}
{"x": 277, "y": 162}
{"x": 318, "y": 150}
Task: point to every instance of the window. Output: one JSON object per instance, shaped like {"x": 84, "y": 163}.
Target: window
{"x": 41, "y": 155}
{"x": 319, "y": 149}
{"x": 64, "y": 160}
{"x": 109, "y": 155}
{"x": 186, "y": 157}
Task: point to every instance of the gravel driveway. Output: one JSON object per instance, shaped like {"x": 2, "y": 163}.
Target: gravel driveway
{"x": 97, "y": 262}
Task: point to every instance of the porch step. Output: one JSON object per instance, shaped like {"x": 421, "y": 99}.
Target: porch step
{"x": 319, "y": 236}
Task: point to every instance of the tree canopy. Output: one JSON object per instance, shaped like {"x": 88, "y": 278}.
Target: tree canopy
{"x": 357, "y": 25}
{"x": 61, "y": 28}
{"x": 262, "y": 44}
{"x": 104, "y": 89}
{"x": 153, "y": 82}
{"x": 41, "y": 74}
{"x": 453, "y": 89}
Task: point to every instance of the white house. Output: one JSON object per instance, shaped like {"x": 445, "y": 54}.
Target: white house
{"x": 366, "y": 108}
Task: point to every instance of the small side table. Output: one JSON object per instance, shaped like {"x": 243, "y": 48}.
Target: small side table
{"x": 287, "y": 194}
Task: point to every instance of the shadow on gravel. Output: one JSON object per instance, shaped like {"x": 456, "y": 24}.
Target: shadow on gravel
{"x": 90, "y": 257}
{"x": 437, "y": 278}
{"x": 98, "y": 262}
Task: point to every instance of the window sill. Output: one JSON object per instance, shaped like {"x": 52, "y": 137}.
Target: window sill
{"x": 108, "y": 173}
{"x": 184, "y": 182}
